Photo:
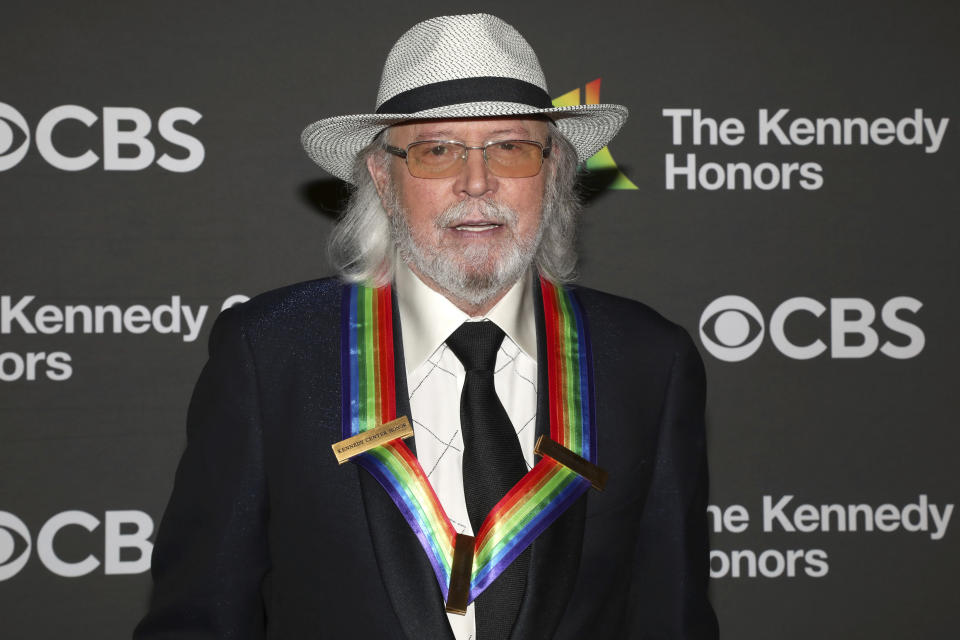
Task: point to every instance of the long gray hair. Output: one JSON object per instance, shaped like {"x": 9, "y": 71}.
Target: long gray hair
{"x": 361, "y": 247}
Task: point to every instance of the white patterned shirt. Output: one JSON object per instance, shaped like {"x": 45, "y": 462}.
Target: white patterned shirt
{"x": 435, "y": 379}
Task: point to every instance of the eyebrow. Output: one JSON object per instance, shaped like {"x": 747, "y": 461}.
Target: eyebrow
{"x": 434, "y": 134}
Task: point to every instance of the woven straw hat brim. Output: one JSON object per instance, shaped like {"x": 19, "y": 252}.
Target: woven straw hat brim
{"x": 333, "y": 143}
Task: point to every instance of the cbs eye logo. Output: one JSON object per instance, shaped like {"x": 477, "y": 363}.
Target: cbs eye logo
{"x": 12, "y": 152}
{"x": 731, "y": 328}
{"x": 14, "y": 545}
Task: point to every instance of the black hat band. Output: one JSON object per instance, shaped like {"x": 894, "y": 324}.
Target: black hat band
{"x": 483, "y": 89}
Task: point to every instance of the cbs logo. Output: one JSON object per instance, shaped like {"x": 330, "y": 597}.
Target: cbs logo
{"x": 124, "y": 143}
{"x": 122, "y": 530}
{"x": 732, "y": 328}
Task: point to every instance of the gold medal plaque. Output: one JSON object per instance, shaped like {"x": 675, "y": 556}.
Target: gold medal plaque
{"x": 552, "y": 449}
{"x": 458, "y": 592}
{"x": 346, "y": 449}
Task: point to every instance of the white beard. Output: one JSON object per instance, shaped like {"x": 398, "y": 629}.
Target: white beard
{"x": 474, "y": 276}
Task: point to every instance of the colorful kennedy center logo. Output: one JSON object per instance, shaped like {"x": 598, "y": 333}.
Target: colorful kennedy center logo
{"x": 602, "y": 160}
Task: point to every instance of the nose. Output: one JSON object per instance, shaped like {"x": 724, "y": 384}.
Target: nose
{"x": 475, "y": 180}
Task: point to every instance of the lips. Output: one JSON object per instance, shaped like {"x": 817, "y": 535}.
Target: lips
{"x": 475, "y": 226}
{"x": 476, "y": 218}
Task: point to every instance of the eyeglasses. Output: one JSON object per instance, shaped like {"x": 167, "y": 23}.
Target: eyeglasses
{"x": 446, "y": 158}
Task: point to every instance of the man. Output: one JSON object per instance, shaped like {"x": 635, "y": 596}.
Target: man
{"x": 464, "y": 183}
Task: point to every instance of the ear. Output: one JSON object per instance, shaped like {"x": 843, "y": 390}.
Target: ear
{"x": 380, "y": 172}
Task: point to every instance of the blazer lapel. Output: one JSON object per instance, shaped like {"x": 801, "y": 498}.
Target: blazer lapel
{"x": 407, "y": 575}
{"x": 555, "y": 554}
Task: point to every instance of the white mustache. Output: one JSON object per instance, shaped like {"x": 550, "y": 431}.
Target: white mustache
{"x": 486, "y": 210}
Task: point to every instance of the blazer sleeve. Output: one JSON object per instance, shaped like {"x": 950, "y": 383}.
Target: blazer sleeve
{"x": 671, "y": 561}
{"x": 210, "y": 556}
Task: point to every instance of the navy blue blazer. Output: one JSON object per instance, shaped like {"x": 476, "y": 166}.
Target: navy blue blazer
{"x": 266, "y": 536}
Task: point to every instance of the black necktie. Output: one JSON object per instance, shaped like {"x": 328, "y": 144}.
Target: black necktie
{"x": 492, "y": 463}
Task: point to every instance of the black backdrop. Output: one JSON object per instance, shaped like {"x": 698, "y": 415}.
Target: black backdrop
{"x": 831, "y": 373}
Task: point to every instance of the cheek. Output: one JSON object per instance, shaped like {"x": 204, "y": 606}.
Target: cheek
{"x": 529, "y": 204}
{"x": 419, "y": 201}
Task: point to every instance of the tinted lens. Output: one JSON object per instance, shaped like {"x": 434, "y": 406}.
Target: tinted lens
{"x": 514, "y": 158}
{"x": 434, "y": 159}
{"x": 506, "y": 158}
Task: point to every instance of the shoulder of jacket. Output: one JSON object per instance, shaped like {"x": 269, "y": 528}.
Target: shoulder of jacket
{"x": 629, "y": 326}
{"x": 627, "y": 314}
{"x": 287, "y": 309}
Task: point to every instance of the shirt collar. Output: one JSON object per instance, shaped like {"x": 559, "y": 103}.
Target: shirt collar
{"x": 427, "y": 318}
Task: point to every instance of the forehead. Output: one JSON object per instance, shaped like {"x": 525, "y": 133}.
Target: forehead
{"x": 469, "y": 130}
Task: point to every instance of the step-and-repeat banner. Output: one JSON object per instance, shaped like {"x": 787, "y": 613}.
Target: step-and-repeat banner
{"x": 786, "y": 189}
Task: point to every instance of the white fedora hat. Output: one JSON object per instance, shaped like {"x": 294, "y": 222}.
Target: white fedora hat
{"x": 468, "y": 66}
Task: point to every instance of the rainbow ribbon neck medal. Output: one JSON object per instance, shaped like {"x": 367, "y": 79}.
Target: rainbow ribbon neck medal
{"x": 373, "y": 438}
